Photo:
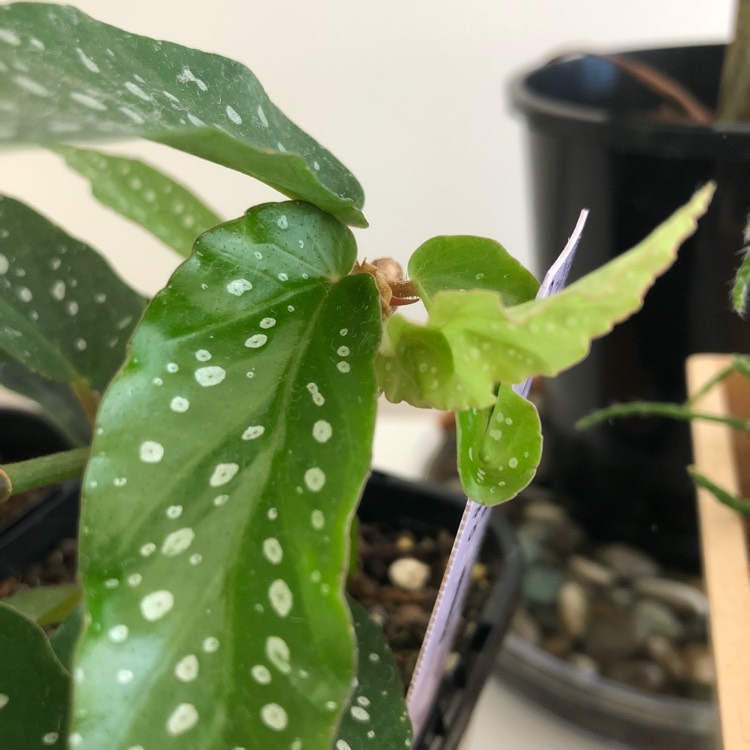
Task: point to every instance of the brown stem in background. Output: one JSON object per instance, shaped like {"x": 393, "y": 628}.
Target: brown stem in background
{"x": 88, "y": 399}
{"x": 664, "y": 86}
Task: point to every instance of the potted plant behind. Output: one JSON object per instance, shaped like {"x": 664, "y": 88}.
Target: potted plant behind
{"x": 625, "y": 135}
{"x": 233, "y": 437}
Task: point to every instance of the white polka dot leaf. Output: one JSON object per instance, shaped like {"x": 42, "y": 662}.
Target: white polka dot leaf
{"x": 229, "y": 457}
{"x": 472, "y": 340}
{"x": 499, "y": 447}
{"x": 144, "y": 195}
{"x": 376, "y": 715}
{"x": 65, "y": 77}
{"x": 64, "y": 313}
{"x": 34, "y": 687}
{"x": 463, "y": 263}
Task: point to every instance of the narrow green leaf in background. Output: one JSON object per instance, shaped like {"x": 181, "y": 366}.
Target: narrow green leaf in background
{"x": 263, "y": 340}
{"x": 67, "y": 77}
{"x": 462, "y": 263}
{"x": 499, "y": 448}
{"x": 741, "y": 286}
{"x": 472, "y": 341}
{"x": 34, "y": 687}
{"x": 144, "y": 195}
{"x": 64, "y": 312}
{"x": 376, "y": 716}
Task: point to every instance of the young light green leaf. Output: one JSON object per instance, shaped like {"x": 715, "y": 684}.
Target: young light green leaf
{"x": 64, "y": 313}
{"x": 46, "y": 605}
{"x": 34, "y": 688}
{"x": 214, "y": 559}
{"x": 463, "y": 263}
{"x": 376, "y": 716}
{"x": 472, "y": 341}
{"x": 144, "y": 195}
{"x": 58, "y": 402}
{"x": 499, "y": 448}
{"x": 67, "y": 77}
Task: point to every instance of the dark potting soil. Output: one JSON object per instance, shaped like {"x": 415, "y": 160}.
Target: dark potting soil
{"x": 403, "y": 614}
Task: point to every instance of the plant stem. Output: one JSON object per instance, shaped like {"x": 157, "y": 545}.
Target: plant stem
{"x": 734, "y": 102}
{"x": 42, "y": 471}
{"x": 658, "y": 409}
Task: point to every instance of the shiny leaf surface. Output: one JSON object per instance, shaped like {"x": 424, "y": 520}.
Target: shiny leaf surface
{"x": 499, "y": 448}
{"x": 229, "y": 456}
{"x": 463, "y": 263}
{"x": 472, "y": 341}
{"x": 34, "y": 687}
{"x": 376, "y": 716}
{"x": 64, "y": 313}
{"x": 66, "y": 77}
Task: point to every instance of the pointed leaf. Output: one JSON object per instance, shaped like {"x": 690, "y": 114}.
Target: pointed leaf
{"x": 34, "y": 688}
{"x": 472, "y": 341}
{"x": 57, "y": 400}
{"x": 463, "y": 263}
{"x": 231, "y": 453}
{"x": 66, "y": 77}
{"x": 46, "y": 605}
{"x": 499, "y": 448}
{"x": 376, "y": 716}
{"x": 64, "y": 313}
{"x": 144, "y": 195}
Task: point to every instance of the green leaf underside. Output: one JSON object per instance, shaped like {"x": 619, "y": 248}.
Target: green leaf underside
{"x": 472, "y": 341}
{"x": 463, "y": 263}
{"x": 67, "y": 77}
{"x": 144, "y": 195}
{"x": 376, "y": 716}
{"x": 214, "y": 558}
{"x": 46, "y": 605}
{"x": 64, "y": 313}
{"x": 34, "y": 687}
{"x": 499, "y": 448}
{"x": 57, "y": 400}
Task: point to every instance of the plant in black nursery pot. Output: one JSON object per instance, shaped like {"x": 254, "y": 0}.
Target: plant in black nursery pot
{"x": 233, "y": 414}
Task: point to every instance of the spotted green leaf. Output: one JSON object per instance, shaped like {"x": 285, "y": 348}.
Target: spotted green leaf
{"x": 499, "y": 448}
{"x": 462, "y": 262}
{"x": 67, "y": 77}
{"x": 59, "y": 403}
{"x": 376, "y": 716}
{"x": 34, "y": 687}
{"x": 46, "y": 605}
{"x": 64, "y": 313}
{"x": 473, "y": 341}
{"x": 229, "y": 456}
{"x": 144, "y": 195}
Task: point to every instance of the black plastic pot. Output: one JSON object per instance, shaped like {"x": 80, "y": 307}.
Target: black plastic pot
{"x": 596, "y": 142}
{"x": 416, "y": 507}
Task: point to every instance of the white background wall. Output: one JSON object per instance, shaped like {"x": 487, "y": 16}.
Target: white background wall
{"x": 410, "y": 94}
